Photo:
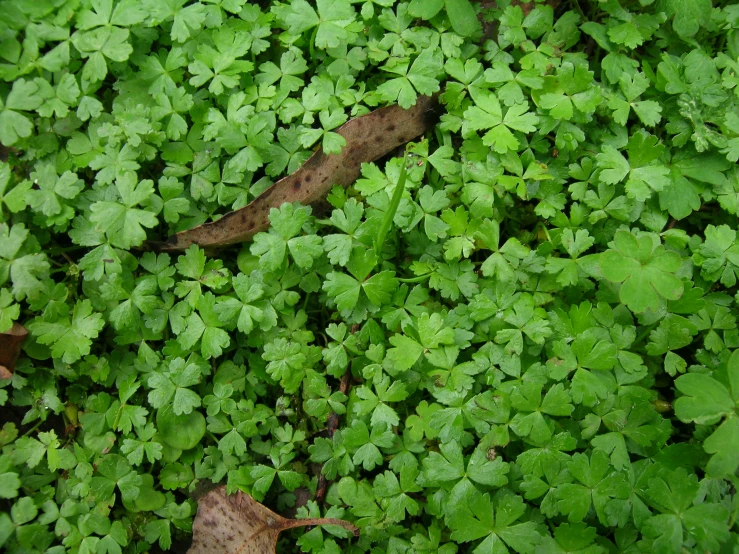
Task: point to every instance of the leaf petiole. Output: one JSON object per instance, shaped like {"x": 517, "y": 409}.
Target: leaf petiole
{"x": 417, "y": 279}
{"x": 392, "y": 208}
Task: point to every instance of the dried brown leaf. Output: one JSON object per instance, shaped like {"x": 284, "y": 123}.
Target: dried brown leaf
{"x": 10, "y": 349}
{"x": 368, "y": 138}
{"x": 238, "y": 524}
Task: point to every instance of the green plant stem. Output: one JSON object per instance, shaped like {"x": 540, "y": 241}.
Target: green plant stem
{"x": 387, "y": 221}
{"x": 118, "y": 416}
{"x": 32, "y": 429}
{"x": 644, "y": 333}
{"x": 311, "y": 44}
{"x": 60, "y": 249}
{"x": 417, "y": 279}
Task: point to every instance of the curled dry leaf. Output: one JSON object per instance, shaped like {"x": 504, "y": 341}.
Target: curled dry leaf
{"x": 368, "y": 138}
{"x": 10, "y": 348}
{"x": 236, "y": 523}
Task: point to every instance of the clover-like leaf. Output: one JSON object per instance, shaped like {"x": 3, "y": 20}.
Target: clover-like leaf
{"x": 645, "y": 269}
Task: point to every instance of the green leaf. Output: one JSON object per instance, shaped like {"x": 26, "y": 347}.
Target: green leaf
{"x": 286, "y": 362}
{"x": 672, "y": 495}
{"x": 282, "y": 238}
{"x": 613, "y": 165}
{"x": 645, "y": 269}
{"x": 205, "y": 326}
{"x": 9, "y": 311}
{"x": 182, "y": 432}
{"x": 421, "y": 76}
{"x": 705, "y": 398}
{"x": 186, "y": 20}
{"x": 171, "y": 388}
{"x": 689, "y": 15}
{"x": 680, "y": 199}
{"x": 332, "y": 20}
{"x": 463, "y": 18}
{"x": 9, "y": 485}
{"x": 13, "y": 127}
{"x": 494, "y": 522}
{"x": 723, "y": 444}
{"x": 121, "y": 221}
{"x": 425, "y": 9}
{"x": 70, "y": 337}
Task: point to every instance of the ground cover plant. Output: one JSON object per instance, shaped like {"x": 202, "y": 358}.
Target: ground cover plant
{"x": 531, "y": 347}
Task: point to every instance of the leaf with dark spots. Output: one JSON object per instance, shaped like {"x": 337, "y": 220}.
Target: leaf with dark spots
{"x": 231, "y": 524}
{"x": 10, "y": 349}
{"x": 367, "y": 139}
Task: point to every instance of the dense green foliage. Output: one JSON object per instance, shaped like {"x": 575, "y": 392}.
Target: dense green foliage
{"x": 544, "y": 356}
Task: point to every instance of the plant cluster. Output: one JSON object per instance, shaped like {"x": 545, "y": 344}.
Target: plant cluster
{"x": 539, "y": 328}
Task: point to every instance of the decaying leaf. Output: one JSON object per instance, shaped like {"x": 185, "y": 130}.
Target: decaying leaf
{"x": 10, "y": 348}
{"x": 368, "y": 138}
{"x": 236, "y": 523}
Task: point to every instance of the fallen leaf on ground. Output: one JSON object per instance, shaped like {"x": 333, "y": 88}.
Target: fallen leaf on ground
{"x": 10, "y": 348}
{"x": 236, "y": 523}
{"x": 368, "y": 138}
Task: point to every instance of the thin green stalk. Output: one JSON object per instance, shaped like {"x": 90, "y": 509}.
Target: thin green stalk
{"x": 648, "y": 329}
{"x": 392, "y": 208}
{"x": 417, "y": 279}
{"x": 118, "y": 416}
{"x": 32, "y": 429}
{"x": 312, "y": 43}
